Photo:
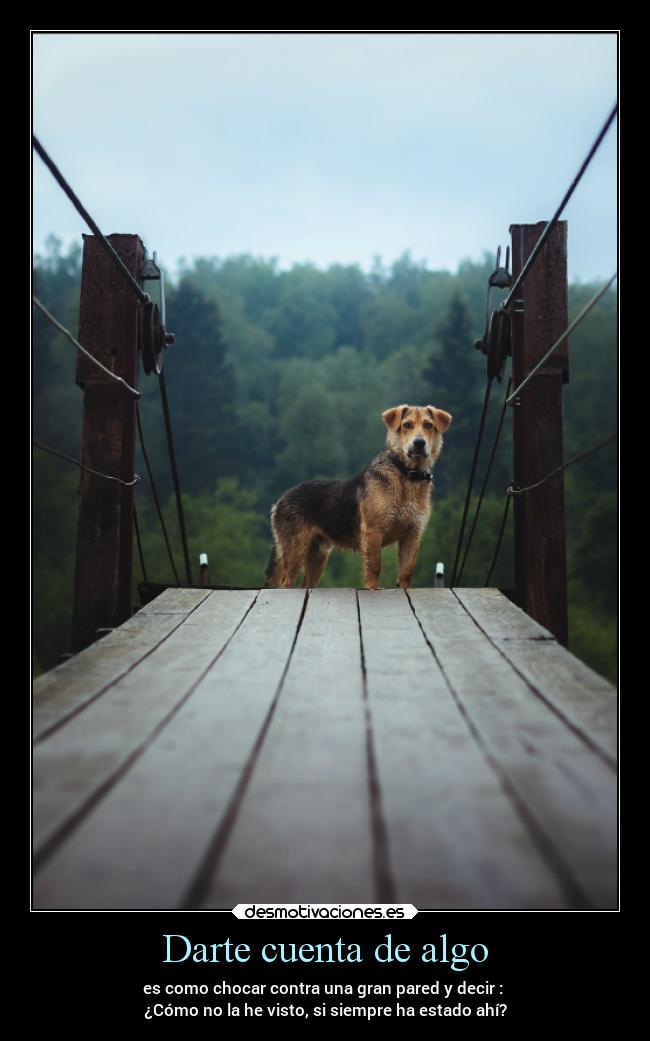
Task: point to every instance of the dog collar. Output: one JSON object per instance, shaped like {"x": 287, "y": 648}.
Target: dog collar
{"x": 413, "y": 475}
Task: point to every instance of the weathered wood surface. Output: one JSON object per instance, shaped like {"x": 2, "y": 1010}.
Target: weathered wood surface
{"x": 69, "y": 687}
{"x": 437, "y": 747}
{"x": 565, "y": 790}
{"x": 585, "y": 701}
{"x": 450, "y": 830}
{"x": 143, "y": 844}
{"x": 81, "y": 758}
{"x": 304, "y": 826}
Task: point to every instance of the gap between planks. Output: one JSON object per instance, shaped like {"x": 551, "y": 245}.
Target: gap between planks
{"x": 562, "y": 786}
{"x": 585, "y": 702}
{"x": 162, "y": 812}
{"x": 75, "y": 684}
{"x": 456, "y": 839}
{"x": 78, "y": 764}
{"x": 305, "y": 823}
{"x": 211, "y": 858}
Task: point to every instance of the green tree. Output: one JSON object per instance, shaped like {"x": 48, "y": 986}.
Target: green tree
{"x": 313, "y": 444}
{"x": 280, "y": 376}
{"x": 595, "y": 554}
{"x": 210, "y": 440}
{"x": 453, "y": 379}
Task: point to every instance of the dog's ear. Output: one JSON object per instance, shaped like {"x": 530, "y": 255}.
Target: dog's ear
{"x": 392, "y": 417}
{"x": 440, "y": 418}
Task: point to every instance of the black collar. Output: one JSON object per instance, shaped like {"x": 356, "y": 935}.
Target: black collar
{"x": 412, "y": 475}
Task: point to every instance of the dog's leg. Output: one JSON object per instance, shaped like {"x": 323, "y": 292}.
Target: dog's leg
{"x": 293, "y": 563}
{"x": 315, "y": 562}
{"x": 407, "y": 555}
{"x": 371, "y": 553}
{"x": 295, "y": 550}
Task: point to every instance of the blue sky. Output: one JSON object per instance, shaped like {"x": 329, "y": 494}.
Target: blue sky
{"x": 327, "y": 147}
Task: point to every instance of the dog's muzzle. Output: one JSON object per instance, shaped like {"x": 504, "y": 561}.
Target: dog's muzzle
{"x": 418, "y": 447}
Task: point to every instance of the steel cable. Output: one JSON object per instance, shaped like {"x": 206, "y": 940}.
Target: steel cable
{"x": 570, "y": 328}
{"x": 556, "y": 216}
{"x": 82, "y": 466}
{"x": 83, "y": 212}
{"x": 156, "y": 499}
{"x": 470, "y": 483}
{"x": 86, "y": 354}
{"x": 485, "y": 481}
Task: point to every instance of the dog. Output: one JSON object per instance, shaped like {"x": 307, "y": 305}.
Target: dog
{"x": 389, "y": 501}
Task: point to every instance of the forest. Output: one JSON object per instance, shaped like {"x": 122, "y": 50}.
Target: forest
{"x": 280, "y": 375}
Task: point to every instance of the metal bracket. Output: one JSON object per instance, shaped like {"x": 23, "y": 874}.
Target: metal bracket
{"x": 501, "y": 277}
{"x": 497, "y": 343}
{"x": 152, "y": 335}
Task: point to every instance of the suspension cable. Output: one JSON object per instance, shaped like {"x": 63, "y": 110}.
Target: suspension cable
{"x": 511, "y": 491}
{"x": 574, "y": 324}
{"x": 60, "y": 179}
{"x": 143, "y": 298}
{"x": 477, "y": 448}
{"x": 172, "y": 459}
{"x": 556, "y": 216}
{"x": 558, "y": 469}
{"x": 139, "y": 542}
{"x": 499, "y": 541}
{"x": 485, "y": 481}
{"x": 87, "y": 354}
{"x": 82, "y": 466}
{"x": 156, "y": 499}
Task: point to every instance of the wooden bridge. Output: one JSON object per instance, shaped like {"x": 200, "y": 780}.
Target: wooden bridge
{"x": 437, "y": 747}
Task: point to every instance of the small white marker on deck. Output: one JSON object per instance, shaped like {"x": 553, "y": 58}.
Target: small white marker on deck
{"x": 440, "y": 574}
{"x": 203, "y": 569}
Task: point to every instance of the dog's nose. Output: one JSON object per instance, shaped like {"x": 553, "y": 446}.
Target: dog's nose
{"x": 419, "y": 442}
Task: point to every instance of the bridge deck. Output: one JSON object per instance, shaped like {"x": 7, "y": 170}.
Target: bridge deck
{"x": 438, "y": 748}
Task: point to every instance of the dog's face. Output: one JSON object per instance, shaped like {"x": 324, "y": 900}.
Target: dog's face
{"x": 416, "y": 431}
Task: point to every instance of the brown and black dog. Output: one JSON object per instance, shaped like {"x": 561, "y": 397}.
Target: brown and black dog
{"x": 389, "y": 501}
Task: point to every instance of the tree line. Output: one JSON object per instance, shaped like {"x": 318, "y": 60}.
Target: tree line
{"x": 278, "y": 376}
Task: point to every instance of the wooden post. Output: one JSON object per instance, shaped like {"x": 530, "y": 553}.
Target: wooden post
{"x": 108, "y": 320}
{"x": 540, "y": 314}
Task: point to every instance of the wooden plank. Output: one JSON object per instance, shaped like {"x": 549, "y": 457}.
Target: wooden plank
{"x": 79, "y": 759}
{"x": 583, "y": 698}
{"x": 143, "y": 843}
{"x": 174, "y": 601}
{"x": 499, "y": 618}
{"x": 455, "y": 839}
{"x": 67, "y": 688}
{"x": 303, "y": 830}
{"x": 568, "y": 791}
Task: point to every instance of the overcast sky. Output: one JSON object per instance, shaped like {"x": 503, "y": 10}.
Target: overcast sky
{"x": 327, "y": 147}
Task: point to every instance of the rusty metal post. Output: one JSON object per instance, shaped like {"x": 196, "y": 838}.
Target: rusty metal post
{"x": 540, "y": 314}
{"x": 108, "y": 320}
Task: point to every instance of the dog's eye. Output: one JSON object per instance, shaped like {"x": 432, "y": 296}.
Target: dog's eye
{"x": 427, "y": 425}
{"x": 407, "y": 426}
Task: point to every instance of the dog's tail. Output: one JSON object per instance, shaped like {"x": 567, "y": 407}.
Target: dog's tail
{"x": 272, "y": 566}
{"x": 274, "y": 560}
